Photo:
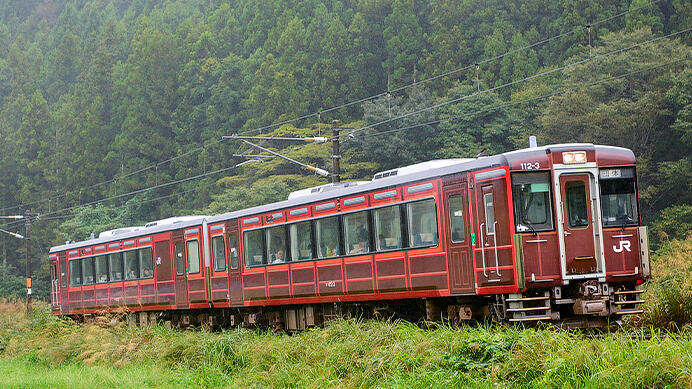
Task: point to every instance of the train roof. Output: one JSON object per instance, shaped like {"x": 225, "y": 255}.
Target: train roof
{"x": 434, "y": 170}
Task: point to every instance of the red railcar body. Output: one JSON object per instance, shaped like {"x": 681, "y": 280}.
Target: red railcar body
{"x": 545, "y": 233}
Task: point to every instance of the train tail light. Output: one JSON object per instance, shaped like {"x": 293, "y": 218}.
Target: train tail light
{"x": 572, "y": 157}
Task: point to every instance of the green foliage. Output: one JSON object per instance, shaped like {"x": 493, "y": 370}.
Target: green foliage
{"x": 12, "y": 285}
{"x": 673, "y": 223}
{"x": 100, "y": 98}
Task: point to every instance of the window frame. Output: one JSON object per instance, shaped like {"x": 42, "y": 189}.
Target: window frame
{"x": 111, "y": 269}
{"x": 290, "y": 243}
{"x": 550, "y": 223}
{"x": 263, "y": 249}
{"x": 233, "y": 246}
{"x": 96, "y": 274}
{"x": 78, "y": 264}
{"x": 179, "y": 270}
{"x": 187, "y": 255}
{"x": 339, "y": 229}
{"x": 343, "y": 239}
{"x": 437, "y": 223}
{"x": 139, "y": 266}
{"x": 286, "y": 244}
{"x": 587, "y": 206}
{"x": 451, "y": 217}
{"x": 214, "y": 239}
{"x": 83, "y": 262}
{"x": 402, "y": 231}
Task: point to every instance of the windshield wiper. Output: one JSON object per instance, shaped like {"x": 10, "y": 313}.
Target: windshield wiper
{"x": 528, "y": 224}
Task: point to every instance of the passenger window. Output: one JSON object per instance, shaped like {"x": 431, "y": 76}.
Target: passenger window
{"x": 131, "y": 265}
{"x": 219, "y": 252}
{"x": 179, "y": 260}
{"x": 388, "y": 228}
{"x": 276, "y": 244}
{"x": 193, "y": 256}
{"x": 254, "y": 251}
{"x": 456, "y": 218}
{"x": 577, "y": 211}
{"x": 357, "y": 233}
{"x": 75, "y": 273}
{"x": 101, "y": 269}
{"x": 301, "y": 241}
{"x": 146, "y": 261}
{"x": 88, "y": 271}
{"x": 327, "y": 236}
{"x": 489, "y": 213}
{"x": 233, "y": 249}
{"x": 422, "y": 223}
{"x": 115, "y": 261}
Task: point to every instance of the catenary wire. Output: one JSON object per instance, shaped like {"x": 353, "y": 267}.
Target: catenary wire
{"x": 303, "y": 117}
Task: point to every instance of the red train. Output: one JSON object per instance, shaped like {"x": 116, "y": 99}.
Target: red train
{"x": 545, "y": 233}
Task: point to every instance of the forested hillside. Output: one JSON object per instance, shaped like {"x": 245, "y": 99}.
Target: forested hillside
{"x": 112, "y": 112}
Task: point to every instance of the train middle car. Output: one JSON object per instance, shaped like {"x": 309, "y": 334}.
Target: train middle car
{"x": 547, "y": 233}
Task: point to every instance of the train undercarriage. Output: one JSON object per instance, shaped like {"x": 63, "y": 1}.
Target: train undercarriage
{"x": 590, "y": 304}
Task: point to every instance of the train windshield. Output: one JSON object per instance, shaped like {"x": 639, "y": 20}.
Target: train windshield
{"x": 618, "y": 197}
{"x": 533, "y": 210}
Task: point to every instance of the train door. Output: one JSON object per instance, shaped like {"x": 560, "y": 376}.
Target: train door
{"x": 234, "y": 275}
{"x": 181, "y": 300}
{"x": 62, "y": 264}
{"x": 458, "y": 240}
{"x": 578, "y": 225}
{"x": 494, "y": 261}
{"x": 54, "y": 290}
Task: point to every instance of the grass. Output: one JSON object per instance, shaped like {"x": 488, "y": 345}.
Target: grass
{"x": 45, "y": 351}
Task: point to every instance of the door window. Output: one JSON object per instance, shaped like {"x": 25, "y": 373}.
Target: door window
{"x": 219, "y": 252}
{"x": 179, "y": 260}
{"x": 456, "y": 218}
{"x": 489, "y": 213}
{"x": 233, "y": 250}
{"x": 577, "y": 209}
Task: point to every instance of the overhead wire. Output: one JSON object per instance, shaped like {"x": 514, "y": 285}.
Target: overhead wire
{"x": 444, "y": 103}
{"x": 523, "y": 101}
{"x": 344, "y": 105}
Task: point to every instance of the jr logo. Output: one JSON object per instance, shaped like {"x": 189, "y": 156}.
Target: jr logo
{"x": 624, "y": 245}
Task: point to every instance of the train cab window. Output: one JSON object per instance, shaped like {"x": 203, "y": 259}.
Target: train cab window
{"x": 422, "y": 223}
{"x": 533, "y": 210}
{"x": 254, "y": 250}
{"x": 179, "y": 260}
{"x": 276, "y": 244}
{"x": 618, "y": 197}
{"x": 193, "y": 256}
{"x": 75, "y": 273}
{"x": 88, "y": 271}
{"x": 131, "y": 260}
{"x": 233, "y": 250}
{"x": 219, "y": 253}
{"x": 357, "y": 233}
{"x": 301, "y": 241}
{"x": 456, "y": 218}
{"x": 327, "y": 237}
{"x": 115, "y": 262}
{"x": 101, "y": 269}
{"x": 146, "y": 262}
{"x": 577, "y": 206}
{"x": 388, "y": 228}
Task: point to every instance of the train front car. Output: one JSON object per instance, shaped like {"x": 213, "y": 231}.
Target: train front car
{"x": 581, "y": 253}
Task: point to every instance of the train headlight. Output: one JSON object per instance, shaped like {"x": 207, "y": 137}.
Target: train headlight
{"x": 571, "y": 157}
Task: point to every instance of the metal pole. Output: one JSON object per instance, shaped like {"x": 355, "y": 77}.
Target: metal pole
{"x": 336, "y": 153}
{"x": 28, "y": 264}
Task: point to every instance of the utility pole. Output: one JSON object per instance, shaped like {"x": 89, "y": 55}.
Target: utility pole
{"x": 336, "y": 153}
{"x": 27, "y": 221}
{"x": 27, "y": 239}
